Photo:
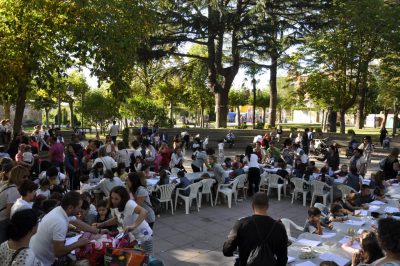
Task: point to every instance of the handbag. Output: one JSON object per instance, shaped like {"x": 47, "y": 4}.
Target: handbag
{"x": 125, "y": 257}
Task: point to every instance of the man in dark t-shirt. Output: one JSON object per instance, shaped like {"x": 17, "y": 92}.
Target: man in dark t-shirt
{"x": 247, "y": 233}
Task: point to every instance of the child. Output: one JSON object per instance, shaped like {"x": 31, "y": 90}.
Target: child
{"x": 227, "y": 163}
{"x": 365, "y": 195}
{"x": 313, "y": 224}
{"x": 138, "y": 164}
{"x": 104, "y": 214}
{"x": 184, "y": 182}
{"x": 28, "y": 156}
{"x": 85, "y": 186}
{"x": 338, "y": 213}
{"x": 164, "y": 178}
{"x": 44, "y": 189}
{"x": 85, "y": 214}
{"x": 121, "y": 172}
{"x": 221, "y": 154}
{"x": 343, "y": 171}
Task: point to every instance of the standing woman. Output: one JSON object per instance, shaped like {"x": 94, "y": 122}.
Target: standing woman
{"x": 9, "y": 195}
{"x": 135, "y": 184}
{"x": 251, "y": 159}
{"x": 129, "y": 217}
{"x": 72, "y": 167}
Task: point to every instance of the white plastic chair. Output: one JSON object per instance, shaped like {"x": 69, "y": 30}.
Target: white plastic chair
{"x": 299, "y": 188}
{"x": 166, "y": 195}
{"x": 287, "y": 223}
{"x": 318, "y": 191}
{"x": 345, "y": 190}
{"x": 194, "y": 189}
{"x": 206, "y": 190}
{"x": 242, "y": 184}
{"x": 228, "y": 190}
{"x": 273, "y": 183}
{"x": 263, "y": 187}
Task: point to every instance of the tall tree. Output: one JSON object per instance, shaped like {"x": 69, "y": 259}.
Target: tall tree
{"x": 238, "y": 98}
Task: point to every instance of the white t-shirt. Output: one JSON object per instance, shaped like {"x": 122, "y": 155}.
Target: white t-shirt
{"x": 43, "y": 193}
{"x": 53, "y": 227}
{"x": 106, "y": 185}
{"x": 7, "y": 196}
{"x": 123, "y": 156}
{"x": 114, "y": 130}
{"x": 108, "y": 162}
{"x": 220, "y": 146}
{"x": 28, "y": 157}
{"x": 20, "y": 205}
{"x": 59, "y": 179}
{"x": 127, "y": 217}
{"x": 253, "y": 162}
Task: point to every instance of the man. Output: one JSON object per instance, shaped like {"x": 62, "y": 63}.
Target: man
{"x": 273, "y": 152}
{"x": 48, "y": 243}
{"x": 305, "y": 142}
{"x": 230, "y": 139}
{"x": 249, "y": 231}
{"x": 114, "y": 131}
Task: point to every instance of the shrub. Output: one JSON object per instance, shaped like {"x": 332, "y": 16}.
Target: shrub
{"x": 242, "y": 126}
{"x": 259, "y": 126}
{"x": 351, "y": 132}
{"x": 318, "y": 130}
{"x": 125, "y": 136}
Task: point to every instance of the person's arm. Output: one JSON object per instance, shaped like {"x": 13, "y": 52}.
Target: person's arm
{"x": 280, "y": 245}
{"x": 142, "y": 214}
{"x": 230, "y": 245}
{"x": 140, "y": 200}
{"x": 60, "y": 249}
{"x": 318, "y": 229}
{"x": 396, "y": 166}
{"x": 82, "y": 226}
{"x": 110, "y": 222}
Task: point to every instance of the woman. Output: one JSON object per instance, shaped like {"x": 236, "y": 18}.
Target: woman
{"x": 6, "y": 165}
{"x": 108, "y": 162}
{"x": 97, "y": 173}
{"x": 367, "y": 148}
{"x": 391, "y": 164}
{"x": 109, "y": 146}
{"x": 108, "y": 183}
{"x": 388, "y": 236}
{"x": 177, "y": 159}
{"x": 129, "y": 217}
{"x": 21, "y": 228}
{"x": 165, "y": 152}
{"x": 136, "y": 186}
{"x": 9, "y": 195}
{"x": 123, "y": 156}
{"x": 259, "y": 152}
{"x": 359, "y": 162}
{"x": 369, "y": 252}
{"x": 251, "y": 159}
{"x": 72, "y": 167}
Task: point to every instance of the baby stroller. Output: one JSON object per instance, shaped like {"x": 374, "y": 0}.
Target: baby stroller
{"x": 386, "y": 143}
{"x": 353, "y": 144}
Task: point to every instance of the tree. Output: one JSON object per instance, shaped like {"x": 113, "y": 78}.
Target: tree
{"x": 42, "y": 101}
{"x": 263, "y": 101}
{"x": 33, "y": 44}
{"x": 75, "y": 82}
{"x": 238, "y": 98}
{"x": 145, "y": 109}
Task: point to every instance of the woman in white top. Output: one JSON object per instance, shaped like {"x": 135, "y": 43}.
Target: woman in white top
{"x": 108, "y": 183}
{"x": 129, "y": 217}
{"x": 251, "y": 159}
{"x": 123, "y": 156}
{"x": 177, "y": 159}
{"x": 107, "y": 161}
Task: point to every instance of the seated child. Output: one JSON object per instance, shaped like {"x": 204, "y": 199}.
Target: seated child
{"x": 282, "y": 172}
{"x": 138, "y": 164}
{"x": 313, "y": 224}
{"x": 343, "y": 172}
{"x": 164, "y": 178}
{"x": 338, "y": 213}
{"x": 44, "y": 189}
{"x": 121, "y": 172}
{"x": 369, "y": 251}
{"x": 227, "y": 163}
{"x": 365, "y": 195}
{"x": 104, "y": 214}
{"x": 352, "y": 203}
{"x": 28, "y": 156}
{"x": 85, "y": 215}
{"x": 184, "y": 182}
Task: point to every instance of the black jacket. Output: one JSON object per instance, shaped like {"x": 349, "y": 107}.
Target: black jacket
{"x": 245, "y": 237}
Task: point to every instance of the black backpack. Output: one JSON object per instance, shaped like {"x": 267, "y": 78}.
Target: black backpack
{"x": 262, "y": 253}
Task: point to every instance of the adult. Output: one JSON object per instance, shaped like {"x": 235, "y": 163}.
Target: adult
{"x": 28, "y": 193}
{"x": 144, "y": 129}
{"x": 136, "y": 186}
{"x": 108, "y": 162}
{"x": 129, "y": 217}
{"x": 265, "y": 140}
{"x": 49, "y": 241}
{"x": 230, "y": 139}
{"x": 331, "y": 158}
{"x": 367, "y": 149}
{"x": 150, "y": 152}
{"x": 108, "y": 183}
{"x": 305, "y": 142}
{"x": 358, "y": 161}
{"x": 177, "y": 159}
{"x": 73, "y": 167}
{"x": 123, "y": 156}
{"x": 259, "y": 151}
{"x": 114, "y": 130}
{"x": 15, "y": 251}
{"x": 220, "y": 175}
{"x": 55, "y": 154}
{"x": 253, "y": 177}
{"x": 3, "y": 132}
{"x": 165, "y": 153}
{"x": 301, "y": 160}
{"x": 388, "y": 236}
{"x": 382, "y": 135}
{"x": 250, "y": 232}
{"x": 391, "y": 164}
{"x": 14, "y": 144}
{"x": 109, "y": 146}
{"x": 8, "y": 196}
{"x": 287, "y": 152}
{"x": 273, "y": 153}
{"x": 199, "y": 158}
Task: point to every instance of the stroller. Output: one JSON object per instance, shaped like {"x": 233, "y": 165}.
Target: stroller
{"x": 386, "y": 143}
{"x": 353, "y": 144}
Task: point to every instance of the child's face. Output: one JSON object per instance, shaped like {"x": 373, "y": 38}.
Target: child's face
{"x": 344, "y": 168}
{"x": 102, "y": 211}
{"x": 31, "y": 196}
{"x": 314, "y": 218}
{"x": 365, "y": 192}
{"x": 138, "y": 160}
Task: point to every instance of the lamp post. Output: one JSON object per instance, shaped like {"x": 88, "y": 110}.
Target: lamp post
{"x": 70, "y": 92}
{"x": 253, "y": 81}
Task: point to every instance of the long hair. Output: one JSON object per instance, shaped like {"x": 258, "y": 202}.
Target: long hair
{"x": 17, "y": 175}
{"x": 123, "y": 194}
{"x": 248, "y": 151}
{"x": 135, "y": 182}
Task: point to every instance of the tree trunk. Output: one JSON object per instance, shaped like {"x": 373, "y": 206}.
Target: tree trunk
{"x": 171, "y": 110}
{"x": 238, "y": 114}
{"x": 332, "y": 118}
{"x": 342, "y": 121}
{"x": 362, "y": 93}
{"x": 395, "y": 121}
{"x": 273, "y": 89}
{"x": 201, "y": 117}
{"x": 20, "y": 106}
{"x": 221, "y": 108}
{"x": 264, "y": 114}
{"x": 323, "y": 119}
{"x": 71, "y": 109}
{"x": 7, "y": 109}
{"x": 46, "y": 111}
{"x": 385, "y": 112}
{"x": 254, "y": 102}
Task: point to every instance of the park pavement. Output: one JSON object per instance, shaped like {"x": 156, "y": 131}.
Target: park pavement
{"x": 197, "y": 238}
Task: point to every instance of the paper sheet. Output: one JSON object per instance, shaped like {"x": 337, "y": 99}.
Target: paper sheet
{"x": 307, "y": 242}
{"x": 328, "y": 235}
{"x": 345, "y": 239}
{"x": 377, "y": 202}
{"x": 355, "y": 223}
{"x": 306, "y": 263}
{"x": 336, "y": 258}
{"x": 391, "y": 209}
{"x": 373, "y": 208}
{"x": 71, "y": 240}
{"x": 361, "y": 212}
{"x": 290, "y": 259}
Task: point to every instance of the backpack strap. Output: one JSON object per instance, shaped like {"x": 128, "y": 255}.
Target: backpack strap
{"x": 15, "y": 255}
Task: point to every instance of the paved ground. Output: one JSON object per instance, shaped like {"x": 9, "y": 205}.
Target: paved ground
{"x": 197, "y": 238}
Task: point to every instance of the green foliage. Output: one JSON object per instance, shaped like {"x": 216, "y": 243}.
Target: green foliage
{"x": 238, "y": 98}
{"x": 98, "y": 107}
{"x": 259, "y": 126}
{"x": 125, "y": 136}
{"x": 351, "y": 132}
{"x": 146, "y": 110}
{"x": 242, "y": 126}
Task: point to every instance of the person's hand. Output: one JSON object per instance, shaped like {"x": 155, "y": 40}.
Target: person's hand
{"x": 127, "y": 229}
{"x": 365, "y": 206}
{"x": 330, "y": 226}
{"x": 82, "y": 242}
{"x": 97, "y": 225}
{"x": 356, "y": 258}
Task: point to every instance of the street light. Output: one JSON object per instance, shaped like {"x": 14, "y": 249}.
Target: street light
{"x": 254, "y": 81}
